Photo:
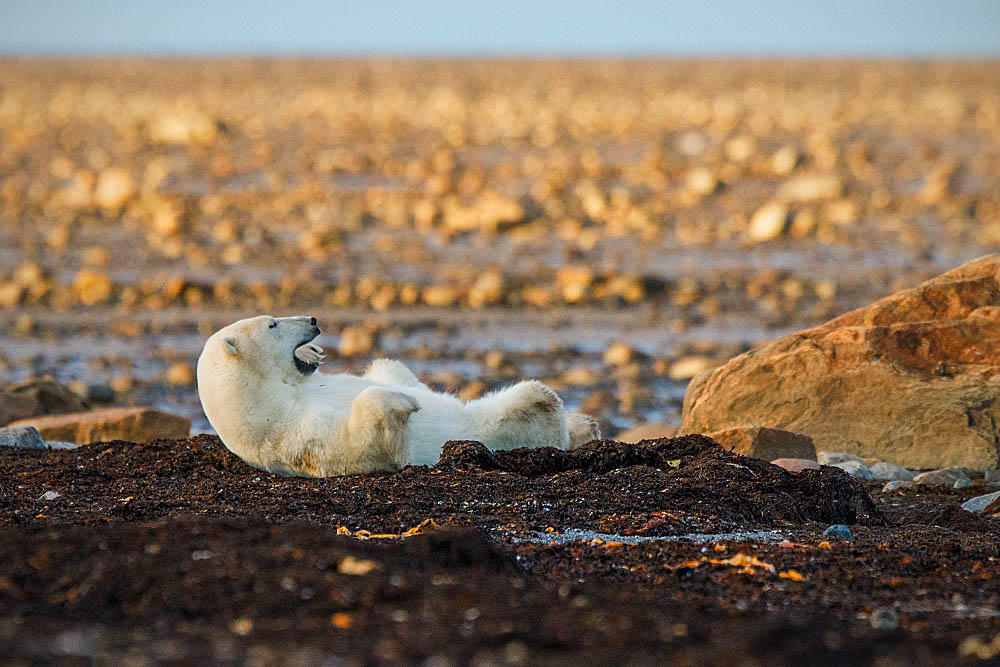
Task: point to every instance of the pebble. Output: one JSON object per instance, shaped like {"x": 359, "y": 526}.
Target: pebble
{"x": 795, "y": 465}
{"x": 945, "y": 476}
{"x": 49, "y": 495}
{"x": 886, "y": 470}
{"x": 979, "y": 503}
{"x": 884, "y": 618}
{"x": 688, "y": 367}
{"x": 25, "y": 437}
{"x": 839, "y": 531}
{"x": 768, "y": 222}
{"x": 830, "y": 458}
{"x": 962, "y": 483}
{"x": 895, "y": 485}
{"x": 855, "y": 468}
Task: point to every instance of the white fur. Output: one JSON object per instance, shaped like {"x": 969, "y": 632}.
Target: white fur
{"x": 290, "y": 421}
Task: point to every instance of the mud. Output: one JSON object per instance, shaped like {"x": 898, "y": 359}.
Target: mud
{"x": 175, "y": 552}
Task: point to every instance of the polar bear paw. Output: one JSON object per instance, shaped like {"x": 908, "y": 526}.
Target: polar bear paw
{"x": 582, "y": 429}
{"x": 310, "y": 353}
{"x": 376, "y": 404}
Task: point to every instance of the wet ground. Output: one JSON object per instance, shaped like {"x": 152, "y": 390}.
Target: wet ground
{"x": 178, "y": 553}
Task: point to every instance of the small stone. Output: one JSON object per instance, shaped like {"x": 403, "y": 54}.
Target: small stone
{"x": 979, "y": 503}
{"x": 701, "y": 181}
{"x": 884, "y": 618}
{"x": 688, "y": 367}
{"x": 962, "y": 483}
{"x": 812, "y": 187}
{"x": 180, "y": 373}
{"x": 945, "y": 476}
{"x": 23, "y": 437}
{"x": 355, "y": 342}
{"x": 838, "y": 531}
{"x": 855, "y": 468}
{"x": 618, "y": 354}
{"x": 896, "y": 485}
{"x": 829, "y": 458}
{"x": 92, "y": 287}
{"x": 768, "y": 222}
{"x": 886, "y": 470}
{"x": 795, "y": 465}
{"x": 114, "y": 187}
{"x": 991, "y": 476}
{"x": 49, "y": 495}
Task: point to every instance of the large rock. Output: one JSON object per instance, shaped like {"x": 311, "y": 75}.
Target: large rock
{"x": 21, "y": 437}
{"x": 131, "y": 424}
{"x": 31, "y": 398}
{"x": 765, "y": 443}
{"x": 912, "y": 379}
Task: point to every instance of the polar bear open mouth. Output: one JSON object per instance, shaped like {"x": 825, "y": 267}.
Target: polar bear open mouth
{"x": 305, "y": 367}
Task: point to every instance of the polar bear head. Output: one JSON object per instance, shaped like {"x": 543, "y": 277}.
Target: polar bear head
{"x": 258, "y": 347}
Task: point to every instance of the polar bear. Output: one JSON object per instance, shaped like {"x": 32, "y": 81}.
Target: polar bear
{"x": 259, "y": 388}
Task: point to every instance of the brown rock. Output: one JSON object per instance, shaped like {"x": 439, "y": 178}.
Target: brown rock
{"x": 913, "y": 379}
{"x": 37, "y": 397}
{"x": 796, "y": 465}
{"x": 131, "y": 424}
{"x": 765, "y": 443}
{"x": 649, "y": 431}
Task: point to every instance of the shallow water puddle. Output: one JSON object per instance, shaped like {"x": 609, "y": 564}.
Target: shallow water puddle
{"x": 570, "y": 535}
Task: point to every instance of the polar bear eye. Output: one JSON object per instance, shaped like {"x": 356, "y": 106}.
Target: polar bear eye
{"x": 273, "y": 324}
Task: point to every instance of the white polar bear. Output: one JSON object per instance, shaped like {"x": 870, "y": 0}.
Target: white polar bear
{"x": 259, "y": 389}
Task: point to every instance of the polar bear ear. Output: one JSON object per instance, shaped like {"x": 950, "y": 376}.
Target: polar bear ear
{"x": 231, "y": 348}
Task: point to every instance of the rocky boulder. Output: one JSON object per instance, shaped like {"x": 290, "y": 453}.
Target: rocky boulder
{"x": 765, "y": 443}
{"x": 912, "y": 379}
{"x": 131, "y": 424}
{"x": 42, "y": 396}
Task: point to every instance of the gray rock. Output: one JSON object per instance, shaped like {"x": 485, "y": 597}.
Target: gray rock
{"x": 59, "y": 444}
{"x": 962, "y": 483}
{"x": 886, "y": 470}
{"x": 50, "y": 495}
{"x": 884, "y": 618}
{"x": 24, "y": 437}
{"x": 833, "y": 458}
{"x": 895, "y": 485}
{"x": 991, "y": 476}
{"x": 945, "y": 476}
{"x": 979, "y": 503}
{"x": 839, "y": 531}
{"x": 856, "y": 468}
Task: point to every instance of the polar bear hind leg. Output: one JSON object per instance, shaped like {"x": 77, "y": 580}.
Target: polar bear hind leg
{"x": 527, "y": 414}
{"x": 582, "y": 429}
{"x": 391, "y": 371}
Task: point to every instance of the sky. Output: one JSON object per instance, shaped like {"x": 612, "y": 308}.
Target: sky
{"x": 705, "y": 28}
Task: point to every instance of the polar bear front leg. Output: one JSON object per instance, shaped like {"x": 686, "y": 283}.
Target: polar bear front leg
{"x": 376, "y": 425}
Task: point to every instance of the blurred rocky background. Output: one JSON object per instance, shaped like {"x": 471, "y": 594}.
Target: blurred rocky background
{"x": 610, "y": 227}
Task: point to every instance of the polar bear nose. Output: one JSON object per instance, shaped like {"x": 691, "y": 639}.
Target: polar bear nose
{"x": 312, "y": 321}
